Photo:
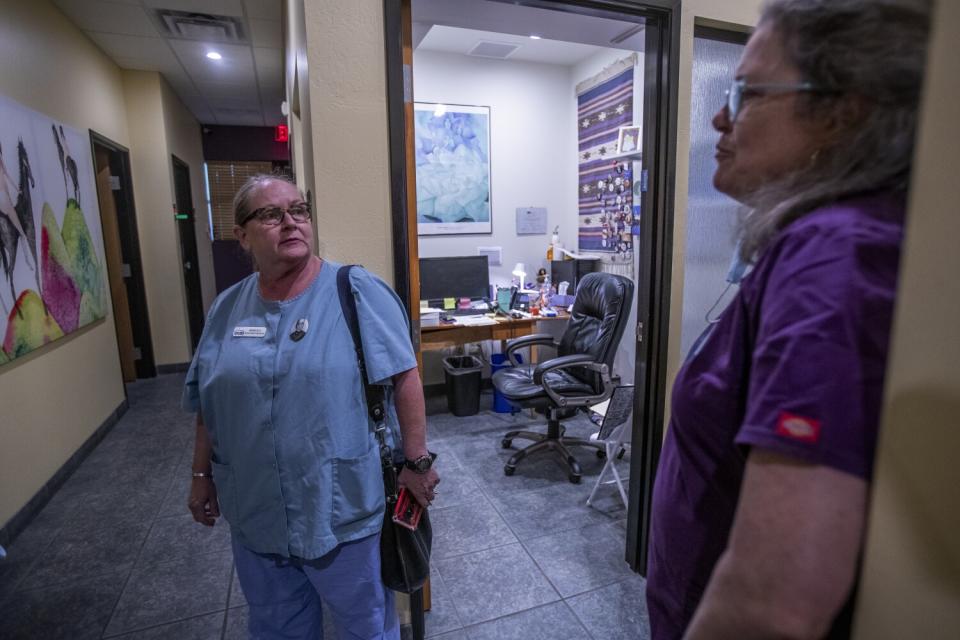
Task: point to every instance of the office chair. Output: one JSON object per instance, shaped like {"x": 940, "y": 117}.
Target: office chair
{"x": 579, "y": 375}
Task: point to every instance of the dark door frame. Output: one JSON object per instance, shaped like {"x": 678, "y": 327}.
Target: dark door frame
{"x": 661, "y": 72}
{"x": 194, "y": 305}
{"x": 130, "y": 246}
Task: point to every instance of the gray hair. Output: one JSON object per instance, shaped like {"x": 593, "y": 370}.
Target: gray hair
{"x": 871, "y": 49}
{"x": 241, "y": 201}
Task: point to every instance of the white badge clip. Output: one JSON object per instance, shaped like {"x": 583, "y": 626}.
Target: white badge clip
{"x": 300, "y": 329}
{"x": 249, "y": 332}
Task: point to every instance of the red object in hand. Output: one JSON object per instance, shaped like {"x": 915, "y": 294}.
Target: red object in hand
{"x": 281, "y": 133}
{"x": 407, "y": 511}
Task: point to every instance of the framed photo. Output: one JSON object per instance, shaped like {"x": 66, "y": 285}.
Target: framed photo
{"x": 628, "y": 140}
{"x": 453, "y": 168}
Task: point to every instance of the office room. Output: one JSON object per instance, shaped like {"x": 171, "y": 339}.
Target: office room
{"x": 539, "y": 101}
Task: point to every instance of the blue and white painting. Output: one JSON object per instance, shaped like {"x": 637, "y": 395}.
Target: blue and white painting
{"x": 453, "y": 168}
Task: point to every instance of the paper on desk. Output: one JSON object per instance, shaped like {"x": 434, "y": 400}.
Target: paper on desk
{"x": 579, "y": 256}
{"x": 475, "y": 321}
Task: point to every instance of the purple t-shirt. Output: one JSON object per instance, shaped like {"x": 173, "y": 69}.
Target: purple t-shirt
{"x": 795, "y": 365}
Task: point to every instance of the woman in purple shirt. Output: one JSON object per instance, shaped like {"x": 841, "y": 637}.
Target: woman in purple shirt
{"x": 761, "y": 494}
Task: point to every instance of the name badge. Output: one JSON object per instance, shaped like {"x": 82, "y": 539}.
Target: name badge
{"x": 249, "y": 332}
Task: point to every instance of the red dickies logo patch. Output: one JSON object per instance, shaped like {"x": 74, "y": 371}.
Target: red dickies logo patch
{"x": 798, "y": 428}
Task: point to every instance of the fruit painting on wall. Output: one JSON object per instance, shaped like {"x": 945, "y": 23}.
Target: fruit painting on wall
{"x": 52, "y": 273}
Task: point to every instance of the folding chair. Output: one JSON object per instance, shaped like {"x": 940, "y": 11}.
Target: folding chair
{"x": 615, "y": 433}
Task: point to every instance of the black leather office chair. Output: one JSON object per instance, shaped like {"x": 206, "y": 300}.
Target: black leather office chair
{"x": 580, "y": 374}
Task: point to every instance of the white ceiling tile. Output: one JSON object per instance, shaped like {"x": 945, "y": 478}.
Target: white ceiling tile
{"x": 272, "y": 115}
{"x": 266, "y": 33}
{"x": 182, "y": 84}
{"x": 269, "y": 64}
{"x": 212, "y": 7}
{"x": 236, "y": 67}
{"x": 108, "y": 17}
{"x": 226, "y": 104}
{"x": 239, "y": 117}
{"x": 221, "y": 91}
{"x": 200, "y": 110}
{"x": 264, "y": 9}
{"x": 120, "y": 46}
{"x": 163, "y": 65}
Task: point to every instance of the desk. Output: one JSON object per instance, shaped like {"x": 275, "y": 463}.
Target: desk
{"x": 451, "y": 335}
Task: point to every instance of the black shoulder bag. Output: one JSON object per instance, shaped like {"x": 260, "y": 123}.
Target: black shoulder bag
{"x": 404, "y": 554}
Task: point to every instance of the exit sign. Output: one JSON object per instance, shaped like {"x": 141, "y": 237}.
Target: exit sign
{"x": 281, "y": 133}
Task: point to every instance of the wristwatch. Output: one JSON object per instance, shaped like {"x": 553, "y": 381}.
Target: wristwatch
{"x": 421, "y": 464}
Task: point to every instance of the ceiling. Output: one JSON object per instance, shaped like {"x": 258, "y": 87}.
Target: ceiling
{"x": 544, "y": 51}
{"x": 245, "y": 87}
{"x": 457, "y": 26}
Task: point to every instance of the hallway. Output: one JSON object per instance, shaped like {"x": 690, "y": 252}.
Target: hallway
{"x": 115, "y": 553}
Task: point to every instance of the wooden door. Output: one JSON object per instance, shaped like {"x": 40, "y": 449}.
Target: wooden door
{"x": 114, "y": 258}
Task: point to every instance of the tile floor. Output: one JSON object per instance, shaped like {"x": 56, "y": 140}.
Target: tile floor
{"x": 114, "y": 554}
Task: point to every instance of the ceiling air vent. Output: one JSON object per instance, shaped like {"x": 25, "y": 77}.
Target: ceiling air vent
{"x": 493, "y": 49}
{"x": 201, "y": 26}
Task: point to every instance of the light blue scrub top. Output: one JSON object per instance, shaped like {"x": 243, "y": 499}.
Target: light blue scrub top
{"x": 295, "y": 459}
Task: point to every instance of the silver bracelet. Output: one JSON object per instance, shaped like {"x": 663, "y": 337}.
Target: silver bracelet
{"x": 202, "y": 474}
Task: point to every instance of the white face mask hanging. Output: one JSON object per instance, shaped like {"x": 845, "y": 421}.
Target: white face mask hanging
{"x": 736, "y": 272}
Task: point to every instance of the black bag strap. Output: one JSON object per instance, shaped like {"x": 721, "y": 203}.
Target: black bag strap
{"x": 372, "y": 393}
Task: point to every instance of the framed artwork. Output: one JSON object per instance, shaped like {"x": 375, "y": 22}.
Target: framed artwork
{"x": 628, "y": 139}
{"x": 453, "y": 169}
{"x": 52, "y": 272}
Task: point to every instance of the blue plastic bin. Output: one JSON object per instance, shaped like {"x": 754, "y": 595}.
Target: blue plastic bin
{"x": 500, "y": 404}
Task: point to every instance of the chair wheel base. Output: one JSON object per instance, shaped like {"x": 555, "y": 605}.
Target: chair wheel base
{"x": 506, "y": 442}
{"x": 574, "y": 479}
{"x": 509, "y": 469}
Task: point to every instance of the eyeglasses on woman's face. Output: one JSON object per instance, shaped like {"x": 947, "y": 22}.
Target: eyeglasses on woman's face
{"x": 741, "y": 90}
{"x": 272, "y": 216}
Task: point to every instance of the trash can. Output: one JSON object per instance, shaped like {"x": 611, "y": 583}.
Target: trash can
{"x": 462, "y": 375}
{"x": 500, "y": 403}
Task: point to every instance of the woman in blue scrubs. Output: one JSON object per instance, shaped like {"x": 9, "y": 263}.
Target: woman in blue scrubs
{"x": 284, "y": 449}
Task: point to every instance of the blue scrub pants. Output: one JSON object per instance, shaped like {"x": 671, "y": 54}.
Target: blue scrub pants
{"x": 285, "y": 593}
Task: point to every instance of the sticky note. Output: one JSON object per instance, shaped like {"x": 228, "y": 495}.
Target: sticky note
{"x": 424, "y": 304}
{"x": 449, "y": 303}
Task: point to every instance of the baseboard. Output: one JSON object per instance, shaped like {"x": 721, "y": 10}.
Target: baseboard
{"x": 176, "y": 367}
{"x": 29, "y": 511}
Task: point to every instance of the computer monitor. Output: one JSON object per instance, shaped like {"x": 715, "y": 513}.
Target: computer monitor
{"x": 454, "y": 277}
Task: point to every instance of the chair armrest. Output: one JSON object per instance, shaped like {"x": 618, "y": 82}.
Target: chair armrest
{"x": 528, "y": 341}
{"x": 576, "y": 360}
{"x": 562, "y": 362}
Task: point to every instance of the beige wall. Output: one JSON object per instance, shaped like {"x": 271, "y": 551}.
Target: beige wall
{"x": 184, "y": 141}
{"x": 54, "y": 398}
{"x": 348, "y": 111}
{"x": 158, "y": 127}
{"x": 911, "y": 577}
{"x": 297, "y": 94}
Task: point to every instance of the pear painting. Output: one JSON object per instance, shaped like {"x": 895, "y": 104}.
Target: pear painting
{"x": 52, "y": 276}
{"x": 30, "y": 327}
{"x": 60, "y": 291}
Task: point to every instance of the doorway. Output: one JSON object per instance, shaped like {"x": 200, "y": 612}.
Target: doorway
{"x": 122, "y": 251}
{"x": 186, "y": 231}
{"x": 654, "y": 181}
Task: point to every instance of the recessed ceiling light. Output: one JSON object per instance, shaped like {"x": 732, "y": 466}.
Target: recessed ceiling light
{"x": 213, "y": 55}
{"x": 534, "y": 36}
